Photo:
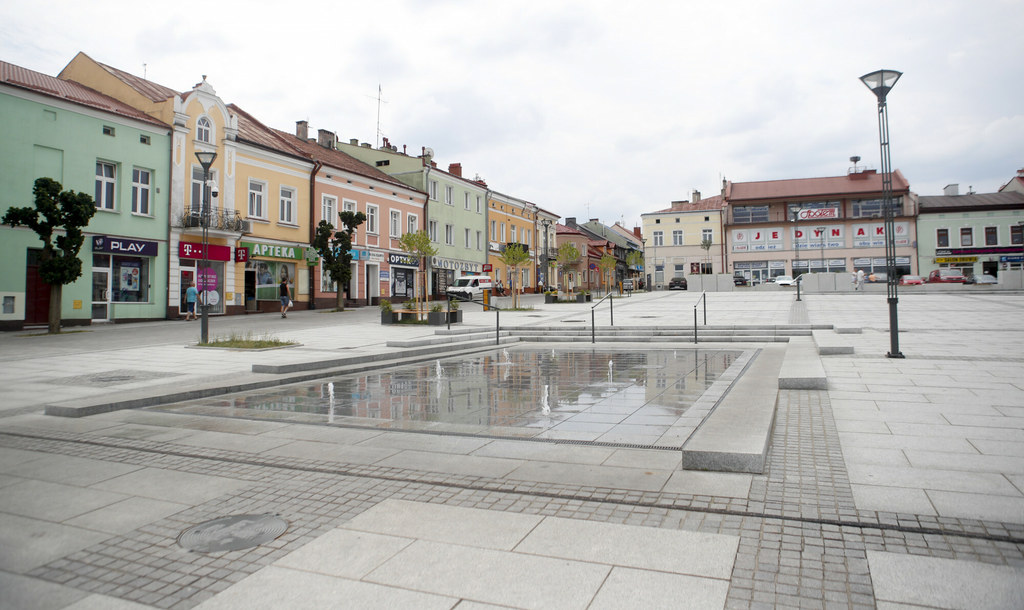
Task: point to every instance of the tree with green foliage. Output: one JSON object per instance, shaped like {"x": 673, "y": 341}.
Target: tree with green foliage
{"x": 335, "y": 249}
{"x": 606, "y": 264}
{"x": 635, "y": 259}
{"x": 58, "y": 218}
{"x": 417, "y": 245}
{"x": 705, "y": 244}
{"x": 514, "y": 256}
{"x": 568, "y": 260}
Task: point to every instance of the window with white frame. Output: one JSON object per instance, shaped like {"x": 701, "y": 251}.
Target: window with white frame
{"x": 396, "y": 224}
{"x": 527, "y": 234}
{"x": 286, "y": 214}
{"x": 432, "y": 192}
{"x": 257, "y": 204}
{"x": 479, "y": 240}
{"x": 514, "y": 233}
{"x": 141, "y": 181}
{"x": 677, "y": 237}
{"x": 966, "y": 236}
{"x": 326, "y": 284}
{"x": 659, "y": 238}
{"x": 329, "y": 209}
{"x": 479, "y": 204}
{"x": 502, "y": 232}
{"x": 466, "y": 196}
{"x": 413, "y": 222}
{"x": 449, "y": 234}
{"x": 347, "y": 205}
{"x": 707, "y": 235}
{"x": 204, "y": 130}
{"x": 432, "y": 230}
{"x": 467, "y": 233}
{"x": 106, "y": 182}
{"x": 494, "y": 230}
{"x": 449, "y": 192}
{"x": 371, "y": 219}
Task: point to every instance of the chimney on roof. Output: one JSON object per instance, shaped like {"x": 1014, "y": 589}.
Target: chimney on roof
{"x": 637, "y": 232}
{"x": 951, "y": 190}
{"x": 325, "y": 138}
{"x": 353, "y": 141}
{"x": 696, "y": 196}
{"x": 302, "y": 130}
{"x": 570, "y": 221}
{"x": 455, "y": 168}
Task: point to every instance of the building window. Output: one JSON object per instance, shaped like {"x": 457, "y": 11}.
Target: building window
{"x": 502, "y": 232}
{"x": 449, "y": 235}
{"x": 526, "y": 237}
{"x": 514, "y": 237}
{"x": 413, "y": 223}
{"x": 144, "y": 139}
{"x": 942, "y": 238}
{"x": 106, "y": 179}
{"x": 204, "y": 130}
{"x": 466, "y": 203}
{"x": 257, "y": 207}
{"x": 396, "y": 223}
{"x": 875, "y": 208}
{"x": 468, "y": 246}
{"x": 1016, "y": 235}
{"x": 659, "y": 238}
{"x": 326, "y": 284}
{"x": 479, "y": 240}
{"x": 449, "y": 192}
{"x": 108, "y": 130}
{"x": 707, "y": 235}
{"x": 329, "y": 209}
{"x": 286, "y": 214}
{"x": 967, "y": 236}
{"x": 746, "y": 214}
{"x": 479, "y": 204}
{"x": 371, "y": 219}
{"x": 348, "y": 206}
{"x": 677, "y": 238}
{"x": 433, "y": 190}
{"x": 494, "y": 230}
{"x": 432, "y": 230}
{"x": 141, "y": 180}
{"x": 991, "y": 236}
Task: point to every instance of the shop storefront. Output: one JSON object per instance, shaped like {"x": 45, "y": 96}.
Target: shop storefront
{"x": 402, "y": 276}
{"x": 266, "y": 266}
{"x": 210, "y": 280}
{"x": 122, "y": 278}
{"x": 443, "y": 272}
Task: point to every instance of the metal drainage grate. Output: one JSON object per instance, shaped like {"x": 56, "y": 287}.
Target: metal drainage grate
{"x": 232, "y": 533}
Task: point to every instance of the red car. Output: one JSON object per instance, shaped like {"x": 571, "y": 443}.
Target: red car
{"x": 946, "y": 276}
{"x": 911, "y": 280}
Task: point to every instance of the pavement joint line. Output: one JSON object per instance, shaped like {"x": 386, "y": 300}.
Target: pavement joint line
{"x": 484, "y": 484}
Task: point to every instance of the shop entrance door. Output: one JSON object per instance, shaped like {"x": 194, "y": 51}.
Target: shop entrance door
{"x": 37, "y": 292}
{"x": 100, "y": 295}
{"x": 758, "y": 276}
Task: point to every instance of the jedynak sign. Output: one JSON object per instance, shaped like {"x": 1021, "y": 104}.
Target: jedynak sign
{"x": 818, "y": 213}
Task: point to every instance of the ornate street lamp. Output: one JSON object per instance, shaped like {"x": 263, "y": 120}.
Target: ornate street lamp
{"x": 545, "y": 265}
{"x": 206, "y": 160}
{"x": 881, "y": 82}
{"x": 821, "y": 234}
{"x": 796, "y": 250}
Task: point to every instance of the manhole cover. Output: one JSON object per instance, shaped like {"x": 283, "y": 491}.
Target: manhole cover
{"x": 232, "y": 533}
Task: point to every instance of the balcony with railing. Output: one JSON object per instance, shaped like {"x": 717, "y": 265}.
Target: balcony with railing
{"x": 219, "y": 219}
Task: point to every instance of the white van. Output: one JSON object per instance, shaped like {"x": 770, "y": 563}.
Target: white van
{"x": 470, "y": 287}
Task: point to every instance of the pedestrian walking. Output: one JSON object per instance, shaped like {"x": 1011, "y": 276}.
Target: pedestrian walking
{"x": 860, "y": 279}
{"x": 286, "y": 297}
{"x": 191, "y": 296}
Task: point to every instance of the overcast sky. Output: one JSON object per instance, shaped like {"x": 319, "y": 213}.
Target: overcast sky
{"x": 592, "y": 108}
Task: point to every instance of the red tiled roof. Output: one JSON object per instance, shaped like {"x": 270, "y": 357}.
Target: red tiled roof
{"x": 867, "y": 182}
{"x": 340, "y": 160}
{"x": 23, "y": 78}
{"x": 561, "y": 229}
{"x": 716, "y": 202}
{"x": 252, "y": 131}
{"x": 154, "y": 91}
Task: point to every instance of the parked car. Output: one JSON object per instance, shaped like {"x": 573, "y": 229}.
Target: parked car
{"x": 786, "y": 280}
{"x": 470, "y": 287}
{"x": 627, "y": 285}
{"x": 911, "y": 280}
{"x": 984, "y": 278}
{"x": 677, "y": 283}
{"x": 739, "y": 280}
{"x": 946, "y": 276}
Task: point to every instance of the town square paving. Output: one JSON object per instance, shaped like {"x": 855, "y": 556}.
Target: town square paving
{"x": 901, "y": 485}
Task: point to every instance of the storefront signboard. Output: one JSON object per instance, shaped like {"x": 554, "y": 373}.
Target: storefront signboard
{"x": 187, "y": 249}
{"x": 121, "y": 245}
{"x": 274, "y": 251}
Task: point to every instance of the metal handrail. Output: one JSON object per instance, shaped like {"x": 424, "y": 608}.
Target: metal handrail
{"x": 703, "y": 297}
{"x": 611, "y": 313}
{"x": 486, "y": 306}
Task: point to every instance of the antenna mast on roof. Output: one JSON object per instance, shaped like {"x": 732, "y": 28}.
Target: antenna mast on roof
{"x": 380, "y": 93}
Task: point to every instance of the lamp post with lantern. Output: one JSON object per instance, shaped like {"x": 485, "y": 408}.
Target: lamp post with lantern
{"x": 206, "y": 159}
{"x": 880, "y": 82}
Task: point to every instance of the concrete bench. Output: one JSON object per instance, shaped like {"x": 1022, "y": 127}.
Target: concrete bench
{"x": 831, "y": 343}
{"x": 736, "y": 435}
{"x": 801, "y": 367}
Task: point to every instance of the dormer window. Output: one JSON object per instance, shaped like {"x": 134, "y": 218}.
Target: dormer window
{"x": 204, "y": 130}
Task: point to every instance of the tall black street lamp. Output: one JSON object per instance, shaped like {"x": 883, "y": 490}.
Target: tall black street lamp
{"x": 881, "y": 82}
{"x": 206, "y": 160}
{"x": 545, "y": 265}
{"x": 796, "y": 250}
{"x": 821, "y": 234}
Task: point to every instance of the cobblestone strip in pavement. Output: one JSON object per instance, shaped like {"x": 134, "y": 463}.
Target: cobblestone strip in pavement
{"x": 801, "y": 543}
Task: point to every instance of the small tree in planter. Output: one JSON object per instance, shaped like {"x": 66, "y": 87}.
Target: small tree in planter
{"x": 387, "y": 314}
{"x": 568, "y": 258}
{"x": 514, "y": 256}
{"x": 417, "y": 244}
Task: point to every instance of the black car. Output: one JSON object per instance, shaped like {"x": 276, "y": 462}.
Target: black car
{"x": 739, "y": 280}
{"x": 677, "y": 283}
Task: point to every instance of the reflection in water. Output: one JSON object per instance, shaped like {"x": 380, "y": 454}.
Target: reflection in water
{"x": 521, "y": 388}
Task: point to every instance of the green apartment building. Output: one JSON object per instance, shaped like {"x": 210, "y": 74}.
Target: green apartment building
{"x": 94, "y": 144}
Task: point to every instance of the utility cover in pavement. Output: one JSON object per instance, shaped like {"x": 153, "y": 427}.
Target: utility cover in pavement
{"x": 232, "y": 533}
